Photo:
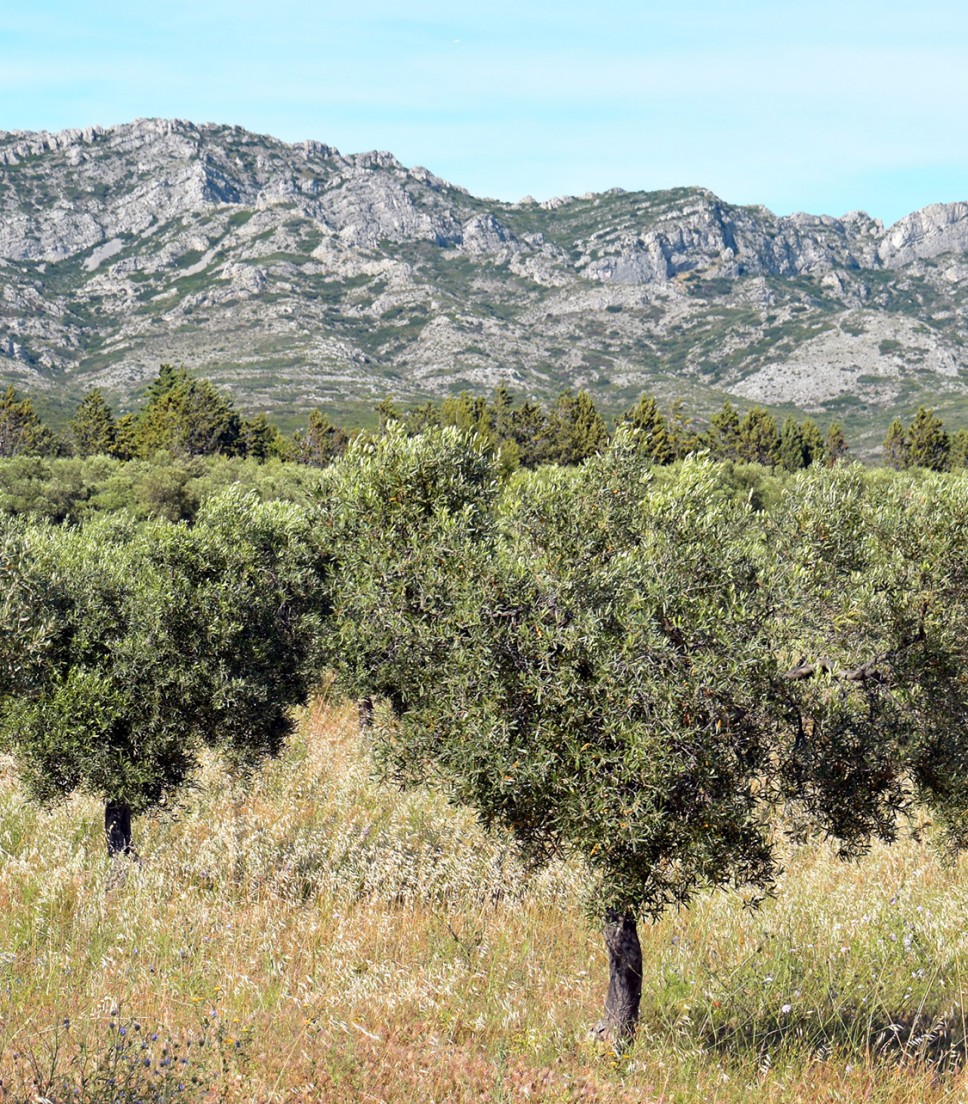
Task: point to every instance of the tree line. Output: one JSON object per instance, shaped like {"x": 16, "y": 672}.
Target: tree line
{"x": 184, "y": 416}
{"x": 571, "y": 430}
{"x": 925, "y": 443}
{"x": 189, "y": 417}
{"x": 618, "y": 662}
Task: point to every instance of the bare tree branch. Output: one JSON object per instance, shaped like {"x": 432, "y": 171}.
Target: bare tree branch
{"x": 871, "y": 670}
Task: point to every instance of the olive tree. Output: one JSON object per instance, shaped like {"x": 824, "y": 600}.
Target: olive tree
{"x": 642, "y": 674}
{"x": 407, "y": 518}
{"x": 870, "y": 586}
{"x": 169, "y": 638}
{"x": 549, "y": 669}
{"x": 613, "y": 707}
{"x": 28, "y": 614}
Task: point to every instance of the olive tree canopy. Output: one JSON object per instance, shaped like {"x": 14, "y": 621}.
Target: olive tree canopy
{"x": 644, "y": 673}
{"x": 168, "y": 638}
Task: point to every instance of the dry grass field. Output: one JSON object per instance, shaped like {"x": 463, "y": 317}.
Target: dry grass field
{"x": 318, "y": 937}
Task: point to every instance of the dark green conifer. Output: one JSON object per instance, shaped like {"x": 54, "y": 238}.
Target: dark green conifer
{"x": 93, "y": 430}
{"x": 21, "y": 431}
{"x": 469, "y": 413}
{"x": 723, "y": 437}
{"x": 655, "y": 441}
{"x": 895, "y": 446}
{"x": 580, "y": 430}
{"x": 927, "y": 441}
{"x": 531, "y": 432}
{"x": 836, "y": 447}
{"x": 418, "y": 419}
{"x": 388, "y": 411}
{"x": 682, "y": 434}
{"x": 813, "y": 442}
{"x": 503, "y": 412}
{"x": 958, "y": 453}
{"x": 258, "y": 438}
{"x": 187, "y": 417}
{"x": 759, "y": 439}
{"x": 126, "y": 437}
{"x": 320, "y": 443}
{"x": 792, "y": 453}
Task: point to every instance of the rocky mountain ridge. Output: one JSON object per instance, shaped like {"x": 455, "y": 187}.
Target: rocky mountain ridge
{"x": 296, "y": 276}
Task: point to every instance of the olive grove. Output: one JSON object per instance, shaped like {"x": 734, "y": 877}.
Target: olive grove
{"x": 634, "y": 667}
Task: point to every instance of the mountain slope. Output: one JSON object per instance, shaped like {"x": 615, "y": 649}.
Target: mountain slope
{"x": 296, "y": 275}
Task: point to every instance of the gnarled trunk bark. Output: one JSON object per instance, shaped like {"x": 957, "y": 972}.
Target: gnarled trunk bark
{"x": 117, "y": 828}
{"x": 365, "y": 708}
{"x": 624, "y": 979}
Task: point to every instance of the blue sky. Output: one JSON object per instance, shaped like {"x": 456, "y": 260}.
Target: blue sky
{"x": 821, "y": 106}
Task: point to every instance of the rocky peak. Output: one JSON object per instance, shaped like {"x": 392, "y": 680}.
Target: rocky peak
{"x": 161, "y": 239}
{"x": 933, "y": 231}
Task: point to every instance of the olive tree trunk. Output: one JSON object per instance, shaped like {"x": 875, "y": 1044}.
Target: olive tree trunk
{"x": 117, "y": 828}
{"x": 365, "y": 709}
{"x": 624, "y": 979}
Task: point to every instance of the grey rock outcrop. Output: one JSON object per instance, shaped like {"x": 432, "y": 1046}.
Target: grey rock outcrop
{"x": 935, "y": 230}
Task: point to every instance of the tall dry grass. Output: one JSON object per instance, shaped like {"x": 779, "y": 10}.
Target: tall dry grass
{"x": 318, "y": 937}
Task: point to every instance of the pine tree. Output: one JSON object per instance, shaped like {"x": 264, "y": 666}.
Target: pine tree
{"x": 654, "y": 439}
{"x": 21, "y": 431}
{"x": 93, "y": 429}
{"x": 259, "y": 438}
{"x": 793, "y": 450}
{"x": 580, "y": 428}
{"x": 759, "y": 439}
{"x": 321, "y": 442}
{"x": 126, "y": 437}
{"x": 469, "y": 413}
{"x": 187, "y": 417}
{"x": 502, "y": 416}
{"x": 813, "y": 442}
{"x": 927, "y": 441}
{"x": 531, "y": 432}
{"x": 958, "y": 454}
{"x": 683, "y": 437}
{"x": 836, "y": 447}
{"x": 895, "y": 446}
{"x": 388, "y": 411}
{"x": 723, "y": 436}
{"x": 418, "y": 419}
